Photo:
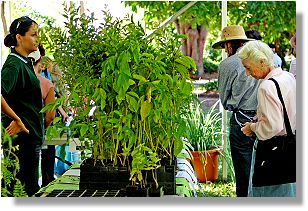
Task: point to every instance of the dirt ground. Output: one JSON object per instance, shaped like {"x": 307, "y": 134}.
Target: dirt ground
{"x": 207, "y": 98}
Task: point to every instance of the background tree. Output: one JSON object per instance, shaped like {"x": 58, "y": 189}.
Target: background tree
{"x": 3, "y": 18}
{"x": 195, "y": 23}
{"x": 276, "y": 21}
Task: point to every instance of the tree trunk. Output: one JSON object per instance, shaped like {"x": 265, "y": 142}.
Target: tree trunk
{"x": 193, "y": 46}
{"x": 81, "y": 8}
{"x": 3, "y": 18}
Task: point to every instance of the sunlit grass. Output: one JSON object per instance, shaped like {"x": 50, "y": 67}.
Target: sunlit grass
{"x": 218, "y": 189}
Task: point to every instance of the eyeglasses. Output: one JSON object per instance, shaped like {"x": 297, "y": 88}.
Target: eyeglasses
{"x": 22, "y": 19}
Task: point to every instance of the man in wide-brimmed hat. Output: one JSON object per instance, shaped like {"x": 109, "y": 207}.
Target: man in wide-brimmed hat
{"x": 237, "y": 93}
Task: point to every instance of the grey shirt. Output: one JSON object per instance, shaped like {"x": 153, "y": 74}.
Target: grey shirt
{"x": 236, "y": 89}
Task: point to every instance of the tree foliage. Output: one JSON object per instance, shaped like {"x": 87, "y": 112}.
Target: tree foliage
{"x": 203, "y": 13}
{"x": 275, "y": 20}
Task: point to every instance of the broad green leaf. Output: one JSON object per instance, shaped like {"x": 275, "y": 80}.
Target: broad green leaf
{"x": 132, "y": 103}
{"x": 123, "y": 63}
{"x": 145, "y": 109}
{"x": 155, "y": 82}
{"x": 114, "y": 121}
{"x": 103, "y": 103}
{"x": 133, "y": 94}
{"x": 178, "y": 146}
{"x": 139, "y": 77}
{"x": 83, "y": 130}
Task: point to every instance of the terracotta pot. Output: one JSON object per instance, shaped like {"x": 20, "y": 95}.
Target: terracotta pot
{"x": 209, "y": 159}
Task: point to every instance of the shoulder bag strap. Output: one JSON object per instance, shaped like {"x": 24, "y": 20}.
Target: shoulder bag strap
{"x": 286, "y": 118}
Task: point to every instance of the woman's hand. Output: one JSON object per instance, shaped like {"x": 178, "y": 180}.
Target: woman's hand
{"x": 64, "y": 117}
{"x": 246, "y": 129}
{"x": 16, "y": 127}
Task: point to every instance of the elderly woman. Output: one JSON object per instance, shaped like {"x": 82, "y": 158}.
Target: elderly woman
{"x": 257, "y": 58}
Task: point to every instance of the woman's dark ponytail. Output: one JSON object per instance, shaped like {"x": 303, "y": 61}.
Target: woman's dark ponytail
{"x": 10, "y": 40}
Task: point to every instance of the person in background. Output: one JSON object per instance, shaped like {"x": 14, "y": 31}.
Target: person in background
{"x": 257, "y": 58}
{"x": 293, "y": 62}
{"x": 255, "y": 35}
{"x": 21, "y": 90}
{"x": 48, "y": 96}
{"x": 54, "y": 75}
{"x": 47, "y": 86}
{"x": 277, "y": 59}
{"x": 47, "y": 64}
{"x": 237, "y": 93}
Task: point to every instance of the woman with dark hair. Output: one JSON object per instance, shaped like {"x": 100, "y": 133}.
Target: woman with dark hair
{"x": 20, "y": 88}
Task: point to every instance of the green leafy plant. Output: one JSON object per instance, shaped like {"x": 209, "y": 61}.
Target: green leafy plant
{"x": 210, "y": 66}
{"x": 143, "y": 159}
{"x": 139, "y": 87}
{"x": 10, "y": 184}
{"x": 210, "y": 86}
{"x": 203, "y": 129}
{"x": 204, "y": 134}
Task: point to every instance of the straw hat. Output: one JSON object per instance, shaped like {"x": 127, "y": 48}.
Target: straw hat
{"x": 229, "y": 33}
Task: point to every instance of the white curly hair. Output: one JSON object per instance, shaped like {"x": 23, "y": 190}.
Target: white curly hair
{"x": 257, "y": 52}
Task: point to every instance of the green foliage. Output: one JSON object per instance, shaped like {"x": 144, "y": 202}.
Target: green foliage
{"x": 271, "y": 18}
{"x": 210, "y": 66}
{"x": 139, "y": 87}
{"x": 275, "y": 20}
{"x": 10, "y": 184}
{"x": 143, "y": 159}
{"x": 203, "y": 130}
{"x": 203, "y": 13}
{"x": 210, "y": 86}
{"x": 218, "y": 189}
{"x": 183, "y": 188}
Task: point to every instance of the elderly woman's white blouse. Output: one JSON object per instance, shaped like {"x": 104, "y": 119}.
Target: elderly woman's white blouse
{"x": 270, "y": 120}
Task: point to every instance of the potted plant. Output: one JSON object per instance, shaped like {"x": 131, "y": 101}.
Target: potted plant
{"x": 139, "y": 87}
{"x": 204, "y": 134}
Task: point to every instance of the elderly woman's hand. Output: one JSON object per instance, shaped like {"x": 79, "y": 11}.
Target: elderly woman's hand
{"x": 246, "y": 129}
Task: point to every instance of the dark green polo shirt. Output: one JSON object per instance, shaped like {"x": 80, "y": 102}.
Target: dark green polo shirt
{"x": 20, "y": 87}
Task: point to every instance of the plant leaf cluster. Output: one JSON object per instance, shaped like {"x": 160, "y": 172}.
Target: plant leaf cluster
{"x": 10, "y": 184}
{"x": 139, "y": 87}
{"x": 203, "y": 129}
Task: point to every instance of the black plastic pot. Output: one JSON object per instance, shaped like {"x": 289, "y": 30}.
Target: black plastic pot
{"x": 115, "y": 177}
{"x": 136, "y": 191}
{"x": 103, "y": 177}
{"x": 165, "y": 178}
